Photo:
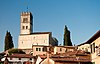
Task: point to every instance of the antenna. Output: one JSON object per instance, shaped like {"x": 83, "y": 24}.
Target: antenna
{"x": 27, "y": 8}
{"x": 27, "y": 5}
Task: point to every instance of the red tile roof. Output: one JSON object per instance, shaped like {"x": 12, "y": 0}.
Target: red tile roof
{"x": 21, "y": 56}
{"x": 75, "y": 56}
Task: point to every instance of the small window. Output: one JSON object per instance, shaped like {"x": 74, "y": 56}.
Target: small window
{"x": 36, "y": 49}
{"x": 30, "y": 58}
{"x": 19, "y": 58}
{"x": 23, "y": 27}
{"x": 25, "y": 19}
{"x": 44, "y": 49}
{"x": 60, "y": 49}
{"x": 26, "y": 27}
{"x": 94, "y": 47}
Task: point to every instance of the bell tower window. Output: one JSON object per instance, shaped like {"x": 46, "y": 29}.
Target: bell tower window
{"x": 25, "y": 20}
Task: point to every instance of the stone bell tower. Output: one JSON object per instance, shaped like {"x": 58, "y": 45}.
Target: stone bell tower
{"x": 26, "y": 24}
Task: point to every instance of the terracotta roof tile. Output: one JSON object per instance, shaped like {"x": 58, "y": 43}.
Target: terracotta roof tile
{"x": 21, "y": 56}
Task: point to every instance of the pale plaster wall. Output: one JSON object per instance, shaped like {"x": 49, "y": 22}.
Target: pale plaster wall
{"x": 39, "y": 52}
{"x": 84, "y": 47}
{"x": 94, "y": 56}
{"x": 57, "y": 50}
{"x": 26, "y": 41}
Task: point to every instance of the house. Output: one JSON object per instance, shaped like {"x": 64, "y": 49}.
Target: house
{"x": 20, "y": 58}
{"x": 63, "y": 49}
{"x": 42, "y": 50}
{"x": 92, "y": 46}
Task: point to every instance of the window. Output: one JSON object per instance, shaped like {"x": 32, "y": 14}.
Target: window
{"x": 26, "y": 27}
{"x": 30, "y": 58}
{"x": 60, "y": 49}
{"x": 39, "y": 49}
{"x": 36, "y": 49}
{"x": 25, "y": 19}
{"x": 92, "y": 48}
{"x": 19, "y": 58}
{"x": 23, "y": 27}
{"x": 44, "y": 49}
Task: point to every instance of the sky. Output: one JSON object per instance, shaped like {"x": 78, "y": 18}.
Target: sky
{"x": 82, "y": 17}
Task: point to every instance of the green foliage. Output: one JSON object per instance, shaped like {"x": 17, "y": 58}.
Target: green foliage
{"x": 15, "y": 51}
{"x": 8, "y": 41}
{"x": 67, "y": 40}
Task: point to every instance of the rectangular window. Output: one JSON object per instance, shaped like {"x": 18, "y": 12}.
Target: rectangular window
{"x": 19, "y": 58}
{"x": 44, "y": 49}
{"x": 26, "y": 27}
{"x": 36, "y": 49}
{"x": 93, "y": 47}
{"x": 25, "y": 19}
{"x": 30, "y": 58}
{"x": 39, "y": 49}
{"x": 23, "y": 27}
{"x": 60, "y": 49}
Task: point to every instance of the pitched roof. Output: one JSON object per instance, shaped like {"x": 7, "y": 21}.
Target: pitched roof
{"x": 41, "y": 33}
{"x": 71, "y": 56}
{"x": 74, "y": 56}
{"x": 38, "y": 33}
{"x": 94, "y": 37}
{"x": 21, "y": 56}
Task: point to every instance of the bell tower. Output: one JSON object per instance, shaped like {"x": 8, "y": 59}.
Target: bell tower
{"x": 26, "y": 24}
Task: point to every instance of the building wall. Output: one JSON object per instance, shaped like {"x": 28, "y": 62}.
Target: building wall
{"x": 62, "y": 49}
{"x": 93, "y": 50}
{"x": 26, "y": 41}
{"x": 38, "y": 50}
{"x": 94, "y": 56}
{"x": 85, "y": 47}
{"x": 59, "y": 49}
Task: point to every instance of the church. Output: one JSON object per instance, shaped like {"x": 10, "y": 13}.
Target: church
{"x": 28, "y": 38}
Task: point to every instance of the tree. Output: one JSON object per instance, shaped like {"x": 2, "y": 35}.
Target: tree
{"x": 8, "y": 41}
{"x": 11, "y": 51}
{"x": 67, "y": 40}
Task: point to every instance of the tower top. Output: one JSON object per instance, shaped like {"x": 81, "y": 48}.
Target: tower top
{"x": 26, "y": 23}
{"x": 26, "y": 13}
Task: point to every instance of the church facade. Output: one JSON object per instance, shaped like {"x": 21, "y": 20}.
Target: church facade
{"x": 27, "y": 37}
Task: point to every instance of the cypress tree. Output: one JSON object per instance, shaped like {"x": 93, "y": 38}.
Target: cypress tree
{"x": 67, "y": 40}
{"x": 8, "y": 41}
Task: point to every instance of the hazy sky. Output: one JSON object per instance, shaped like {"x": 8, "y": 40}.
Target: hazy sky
{"x": 82, "y": 18}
